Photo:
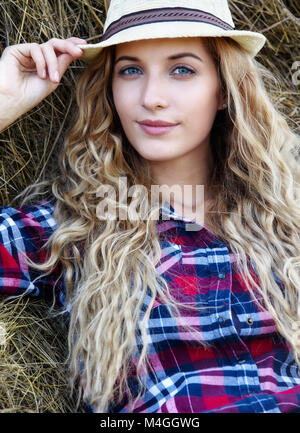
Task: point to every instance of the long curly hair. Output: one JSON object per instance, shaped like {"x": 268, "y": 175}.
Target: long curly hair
{"x": 109, "y": 266}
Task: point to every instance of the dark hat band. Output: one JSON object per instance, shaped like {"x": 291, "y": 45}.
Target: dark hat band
{"x": 163, "y": 15}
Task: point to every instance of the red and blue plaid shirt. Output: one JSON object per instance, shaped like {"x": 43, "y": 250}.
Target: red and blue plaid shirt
{"x": 248, "y": 366}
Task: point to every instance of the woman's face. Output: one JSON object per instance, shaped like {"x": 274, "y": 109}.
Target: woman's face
{"x": 166, "y": 80}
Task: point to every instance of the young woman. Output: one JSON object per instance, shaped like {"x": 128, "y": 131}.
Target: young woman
{"x": 171, "y": 309}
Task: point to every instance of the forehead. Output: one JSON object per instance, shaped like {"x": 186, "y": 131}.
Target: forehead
{"x": 164, "y": 45}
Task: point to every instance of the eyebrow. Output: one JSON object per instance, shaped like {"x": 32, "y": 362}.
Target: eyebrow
{"x": 174, "y": 57}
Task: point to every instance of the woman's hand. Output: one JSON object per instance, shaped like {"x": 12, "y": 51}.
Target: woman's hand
{"x": 30, "y": 72}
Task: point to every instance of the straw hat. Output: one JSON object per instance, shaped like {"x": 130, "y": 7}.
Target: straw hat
{"x": 132, "y": 20}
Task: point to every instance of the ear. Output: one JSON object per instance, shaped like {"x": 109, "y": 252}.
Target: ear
{"x": 222, "y": 102}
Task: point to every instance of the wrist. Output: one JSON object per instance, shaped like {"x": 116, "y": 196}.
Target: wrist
{"x": 10, "y": 110}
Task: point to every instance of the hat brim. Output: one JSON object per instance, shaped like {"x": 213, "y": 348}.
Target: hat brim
{"x": 252, "y": 42}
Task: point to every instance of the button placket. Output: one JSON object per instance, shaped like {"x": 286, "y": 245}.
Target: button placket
{"x": 249, "y": 321}
{"x": 221, "y": 320}
{"x": 219, "y": 292}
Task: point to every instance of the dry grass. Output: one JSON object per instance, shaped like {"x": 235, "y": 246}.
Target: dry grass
{"x": 32, "y": 371}
{"x": 33, "y": 374}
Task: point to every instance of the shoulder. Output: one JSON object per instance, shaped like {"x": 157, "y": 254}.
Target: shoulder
{"x": 26, "y": 228}
{"x": 23, "y": 233}
{"x": 38, "y": 217}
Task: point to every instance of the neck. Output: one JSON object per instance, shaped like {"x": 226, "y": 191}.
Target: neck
{"x": 183, "y": 181}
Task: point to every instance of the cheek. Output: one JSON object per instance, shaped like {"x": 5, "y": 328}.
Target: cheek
{"x": 124, "y": 105}
{"x": 118, "y": 99}
{"x": 124, "y": 99}
{"x": 201, "y": 103}
{"x": 205, "y": 97}
{"x": 200, "y": 112}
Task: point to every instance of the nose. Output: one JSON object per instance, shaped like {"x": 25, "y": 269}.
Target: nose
{"x": 153, "y": 94}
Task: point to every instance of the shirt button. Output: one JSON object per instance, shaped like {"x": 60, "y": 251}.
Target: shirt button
{"x": 250, "y": 321}
{"x": 221, "y": 320}
{"x": 221, "y": 276}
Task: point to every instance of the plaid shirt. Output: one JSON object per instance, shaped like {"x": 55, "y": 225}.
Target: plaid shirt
{"x": 248, "y": 366}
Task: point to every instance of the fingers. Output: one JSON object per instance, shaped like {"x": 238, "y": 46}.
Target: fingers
{"x": 50, "y": 59}
{"x": 77, "y": 40}
{"x": 54, "y": 49}
{"x": 51, "y": 62}
{"x": 39, "y": 60}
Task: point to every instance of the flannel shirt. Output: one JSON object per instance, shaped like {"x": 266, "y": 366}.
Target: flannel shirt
{"x": 248, "y": 366}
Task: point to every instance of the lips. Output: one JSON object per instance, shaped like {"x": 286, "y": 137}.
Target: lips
{"x": 156, "y": 123}
{"x": 156, "y": 127}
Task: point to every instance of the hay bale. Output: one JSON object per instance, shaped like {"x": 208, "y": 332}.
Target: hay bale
{"x": 29, "y": 147}
{"x": 32, "y": 369}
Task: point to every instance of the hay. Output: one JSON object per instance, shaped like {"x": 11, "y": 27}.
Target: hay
{"x": 32, "y": 368}
{"x": 29, "y": 147}
{"x": 33, "y": 371}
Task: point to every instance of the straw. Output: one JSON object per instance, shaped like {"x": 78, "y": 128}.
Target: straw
{"x": 33, "y": 374}
{"x": 33, "y": 371}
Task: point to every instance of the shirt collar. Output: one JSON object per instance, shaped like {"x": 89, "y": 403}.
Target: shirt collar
{"x": 167, "y": 212}
{"x": 187, "y": 229}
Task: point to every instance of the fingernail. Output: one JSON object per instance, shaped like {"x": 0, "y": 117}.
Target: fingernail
{"x": 56, "y": 76}
{"x": 44, "y": 73}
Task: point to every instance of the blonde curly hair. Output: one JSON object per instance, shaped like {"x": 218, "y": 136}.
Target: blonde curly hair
{"x": 110, "y": 266}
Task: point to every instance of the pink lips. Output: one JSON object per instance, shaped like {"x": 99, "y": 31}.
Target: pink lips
{"x": 156, "y": 127}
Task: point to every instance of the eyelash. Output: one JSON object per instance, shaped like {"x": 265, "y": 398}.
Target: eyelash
{"x": 122, "y": 71}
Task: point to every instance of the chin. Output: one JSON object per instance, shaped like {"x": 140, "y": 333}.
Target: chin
{"x": 158, "y": 152}
{"x": 157, "y": 156}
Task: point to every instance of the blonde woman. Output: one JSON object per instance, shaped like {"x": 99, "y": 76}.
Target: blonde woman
{"x": 171, "y": 309}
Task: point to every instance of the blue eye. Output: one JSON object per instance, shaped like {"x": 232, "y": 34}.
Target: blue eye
{"x": 129, "y": 71}
{"x": 132, "y": 70}
{"x": 183, "y": 70}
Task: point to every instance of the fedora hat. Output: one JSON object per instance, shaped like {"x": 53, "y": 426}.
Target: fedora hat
{"x": 133, "y": 20}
